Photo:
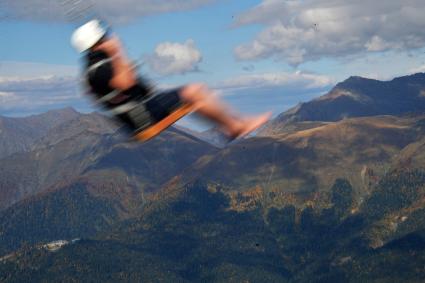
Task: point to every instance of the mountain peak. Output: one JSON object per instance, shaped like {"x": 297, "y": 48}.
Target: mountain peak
{"x": 357, "y": 97}
{"x": 66, "y": 110}
{"x": 354, "y": 81}
{"x": 357, "y": 78}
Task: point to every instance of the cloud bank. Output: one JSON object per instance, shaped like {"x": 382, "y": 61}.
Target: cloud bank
{"x": 297, "y": 79}
{"x": 112, "y": 10}
{"x": 250, "y": 93}
{"x": 276, "y": 92}
{"x": 28, "y": 70}
{"x": 299, "y": 31}
{"x": 27, "y": 96}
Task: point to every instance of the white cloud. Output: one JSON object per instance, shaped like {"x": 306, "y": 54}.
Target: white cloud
{"x": 300, "y": 31}
{"x": 378, "y": 44}
{"x": 5, "y": 94}
{"x": 112, "y": 10}
{"x": 296, "y": 80}
{"x": 175, "y": 58}
{"x": 419, "y": 69}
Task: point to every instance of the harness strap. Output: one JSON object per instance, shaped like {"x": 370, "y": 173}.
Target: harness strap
{"x": 97, "y": 65}
{"x": 136, "y": 109}
{"x": 109, "y": 96}
{"x": 121, "y": 109}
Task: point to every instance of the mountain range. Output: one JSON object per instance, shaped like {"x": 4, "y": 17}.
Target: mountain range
{"x": 329, "y": 191}
{"x": 357, "y": 97}
{"x": 20, "y": 134}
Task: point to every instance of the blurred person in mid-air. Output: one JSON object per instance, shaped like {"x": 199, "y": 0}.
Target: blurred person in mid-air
{"x": 115, "y": 84}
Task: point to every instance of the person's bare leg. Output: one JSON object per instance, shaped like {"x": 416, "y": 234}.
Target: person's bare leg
{"x": 209, "y": 106}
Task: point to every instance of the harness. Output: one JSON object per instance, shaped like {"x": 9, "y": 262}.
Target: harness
{"x": 133, "y": 110}
{"x": 106, "y": 99}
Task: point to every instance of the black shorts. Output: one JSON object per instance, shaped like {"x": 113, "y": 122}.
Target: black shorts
{"x": 164, "y": 103}
{"x": 152, "y": 110}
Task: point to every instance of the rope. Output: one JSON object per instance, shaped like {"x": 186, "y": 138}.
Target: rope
{"x": 78, "y": 10}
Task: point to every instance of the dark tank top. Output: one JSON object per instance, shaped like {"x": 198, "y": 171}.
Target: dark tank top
{"x": 99, "y": 74}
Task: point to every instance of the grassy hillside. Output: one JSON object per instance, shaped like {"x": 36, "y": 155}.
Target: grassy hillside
{"x": 304, "y": 163}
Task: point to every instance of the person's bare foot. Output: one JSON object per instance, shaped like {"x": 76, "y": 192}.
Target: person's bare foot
{"x": 249, "y": 125}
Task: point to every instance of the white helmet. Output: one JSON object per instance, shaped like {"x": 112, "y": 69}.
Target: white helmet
{"x": 87, "y": 35}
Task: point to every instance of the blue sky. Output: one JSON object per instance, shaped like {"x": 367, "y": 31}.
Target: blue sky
{"x": 258, "y": 55}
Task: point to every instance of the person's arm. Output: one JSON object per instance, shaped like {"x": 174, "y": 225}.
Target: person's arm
{"x": 124, "y": 76}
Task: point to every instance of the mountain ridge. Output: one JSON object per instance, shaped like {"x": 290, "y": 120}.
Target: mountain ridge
{"x": 91, "y": 142}
{"x": 20, "y": 134}
{"x": 356, "y": 97}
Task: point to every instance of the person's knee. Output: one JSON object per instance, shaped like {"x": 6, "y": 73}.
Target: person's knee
{"x": 195, "y": 88}
{"x": 194, "y": 92}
